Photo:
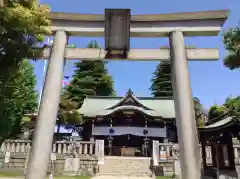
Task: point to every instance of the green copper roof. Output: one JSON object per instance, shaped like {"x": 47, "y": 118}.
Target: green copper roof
{"x": 223, "y": 123}
{"x": 101, "y": 106}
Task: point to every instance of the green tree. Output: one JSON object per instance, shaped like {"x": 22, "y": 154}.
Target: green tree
{"x": 216, "y": 111}
{"x": 231, "y": 107}
{"x": 232, "y": 44}
{"x": 23, "y": 25}
{"x": 18, "y": 97}
{"x": 90, "y": 79}
{"x": 162, "y": 87}
{"x": 68, "y": 116}
{"x": 161, "y": 81}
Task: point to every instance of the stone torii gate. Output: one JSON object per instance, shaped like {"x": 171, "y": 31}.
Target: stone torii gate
{"x": 174, "y": 26}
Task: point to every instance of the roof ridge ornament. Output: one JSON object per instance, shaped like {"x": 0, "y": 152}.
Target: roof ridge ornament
{"x": 129, "y": 97}
{"x": 129, "y": 92}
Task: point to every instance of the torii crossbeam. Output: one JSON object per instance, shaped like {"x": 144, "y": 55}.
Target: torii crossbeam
{"x": 89, "y": 54}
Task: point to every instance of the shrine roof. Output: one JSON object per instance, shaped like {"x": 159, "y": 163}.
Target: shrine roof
{"x": 220, "y": 124}
{"x": 150, "y": 106}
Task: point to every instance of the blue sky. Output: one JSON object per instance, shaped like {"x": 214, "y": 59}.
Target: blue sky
{"x": 210, "y": 81}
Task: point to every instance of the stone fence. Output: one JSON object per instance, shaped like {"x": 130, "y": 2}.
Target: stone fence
{"x": 59, "y": 147}
{"x": 67, "y": 158}
{"x": 168, "y": 159}
{"x": 81, "y": 157}
{"x": 166, "y": 150}
{"x": 169, "y": 150}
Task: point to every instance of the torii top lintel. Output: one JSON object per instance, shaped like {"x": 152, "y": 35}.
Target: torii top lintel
{"x": 203, "y": 23}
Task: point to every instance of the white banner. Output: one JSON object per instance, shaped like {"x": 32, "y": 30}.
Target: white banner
{"x": 138, "y": 131}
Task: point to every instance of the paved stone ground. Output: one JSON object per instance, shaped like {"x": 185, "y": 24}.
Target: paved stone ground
{"x": 98, "y": 177}
{"x": 119, "y": 177}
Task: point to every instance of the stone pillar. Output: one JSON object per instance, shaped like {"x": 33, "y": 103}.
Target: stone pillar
{"x": 155, "y": 152}
{"x": 101, "y": 152}
{"x": 236, "y": 152}
{"x": 183, "y": 100}
{"x": 46, "y": 120}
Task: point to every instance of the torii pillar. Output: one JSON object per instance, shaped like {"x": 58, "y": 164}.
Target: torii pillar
{"x": 183, "y": 100}
{"x": 46, "y": 120}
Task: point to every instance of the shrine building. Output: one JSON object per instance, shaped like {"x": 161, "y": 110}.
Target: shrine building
{"x": 129, "y": 124}
{"x": 218, "y": 153}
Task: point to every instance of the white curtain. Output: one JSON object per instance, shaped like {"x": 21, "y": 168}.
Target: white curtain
{"x": 138, "y": 131}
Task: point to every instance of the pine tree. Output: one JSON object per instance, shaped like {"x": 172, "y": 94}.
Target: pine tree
{"x": 162, "y": 87}
{"x": 18, "y": 97}
{"x": 90, "y": 79}
{"x": 161, "y": 81}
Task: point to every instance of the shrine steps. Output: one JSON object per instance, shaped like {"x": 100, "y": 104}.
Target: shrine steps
{"x": 126, "y": 166}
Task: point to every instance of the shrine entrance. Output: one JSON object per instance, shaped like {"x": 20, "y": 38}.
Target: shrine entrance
{"x": 126, "y": 145}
